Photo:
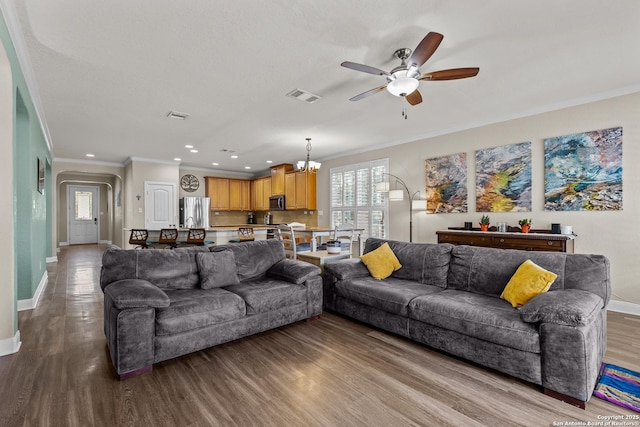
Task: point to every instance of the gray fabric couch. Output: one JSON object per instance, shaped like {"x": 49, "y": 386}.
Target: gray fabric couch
{"x": 449, "y": 298}
{"x": 160, "y": 304}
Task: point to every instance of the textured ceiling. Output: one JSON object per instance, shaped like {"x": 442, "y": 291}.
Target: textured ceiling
{"x": 109, "y": 72}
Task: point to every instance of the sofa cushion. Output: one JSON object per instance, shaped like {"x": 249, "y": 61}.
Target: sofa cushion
{"x": 529, "y": 280}
{"x": 217, "y": 269}
{"x": 253, "y": 259}
{"x": 480, "y": 316}
{"x": 391, "y": 295}
{"x": 167, "y": 269}
{"x": 381, "y": 262}
{"x": 426, "y": 263}
{"x": 488, "y": 270}
{"x": 195, "y": 308}
{"x": 267, "y": 294}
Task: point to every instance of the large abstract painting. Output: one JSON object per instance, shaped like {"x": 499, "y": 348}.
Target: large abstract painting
{"x": 503, "y": 178}
{"x": 584, "y": 171}
{"x": 446, "y": 182}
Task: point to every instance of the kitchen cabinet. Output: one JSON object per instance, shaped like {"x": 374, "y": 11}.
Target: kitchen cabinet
{"x": 217, "y": 190}
{"x": 261, "y": 191}
{"x": 523, "y": 241}
{"x": 239, "y": 195}
{"x": 300, "y": 190}
{"x": 278, "y": 176}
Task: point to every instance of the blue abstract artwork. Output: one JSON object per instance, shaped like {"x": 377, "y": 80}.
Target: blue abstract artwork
{"x": 583, "y": 171}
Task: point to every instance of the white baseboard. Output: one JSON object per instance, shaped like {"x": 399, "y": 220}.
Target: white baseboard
{"x": 624, "y": 307}
{"x": 105, "y": 242}
{"x": 51, "y": 259}
{"x": 10, "y": 345}
{"x": 31, "y": 303}
{"x": 63, "y": 244}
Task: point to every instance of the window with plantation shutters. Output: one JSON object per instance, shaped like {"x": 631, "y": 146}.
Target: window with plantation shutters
{"x": 355, "y": 201}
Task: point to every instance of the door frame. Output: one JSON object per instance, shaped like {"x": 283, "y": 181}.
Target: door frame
{"x": 70, "y": 210}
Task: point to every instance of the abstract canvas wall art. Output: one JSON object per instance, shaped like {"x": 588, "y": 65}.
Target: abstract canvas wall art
{"x": 446, "y": 183}
{"x": 583, "y": 172}
{"x": 503, "y": 178}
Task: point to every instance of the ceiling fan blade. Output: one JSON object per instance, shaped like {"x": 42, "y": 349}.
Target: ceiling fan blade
{"x": 367, "y": 93}
{"x": 364, "y": 68}
{"x": 452, "y": 74}
{"x": 414, "y": 98}
{"x": 425, "y": 49}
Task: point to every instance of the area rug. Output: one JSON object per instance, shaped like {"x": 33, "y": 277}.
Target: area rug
{"x": 619, "y": 385}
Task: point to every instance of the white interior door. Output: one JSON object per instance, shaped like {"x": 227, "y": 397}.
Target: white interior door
{"x": 83, "y": 202}
{"x": 159, "y": 205}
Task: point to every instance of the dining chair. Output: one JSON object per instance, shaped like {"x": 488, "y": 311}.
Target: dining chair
{"x": 286, "y": 233}
{"x": 139, "y": 238}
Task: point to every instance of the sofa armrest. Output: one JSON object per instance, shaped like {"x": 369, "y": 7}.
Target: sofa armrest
{"x": 351, "y": 268}
{"x": 569, "y": 307}
{"x": 293, "y": 271}
{"x": 136, "y": 293}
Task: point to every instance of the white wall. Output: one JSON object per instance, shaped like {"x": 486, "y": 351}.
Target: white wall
{"x": 615, "y": 234}
{"x": 8, "y": 324}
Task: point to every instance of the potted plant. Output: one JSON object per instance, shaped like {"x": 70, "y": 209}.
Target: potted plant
{"x": 525, "y": 225}
{"x": 484, "y": 223}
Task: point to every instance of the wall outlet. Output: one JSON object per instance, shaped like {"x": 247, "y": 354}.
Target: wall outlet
{"x": 304, "y": 213}
{"x": 216, "y": 213}
{"x": 320, "y": 213}
{"x": 139, "y": 210}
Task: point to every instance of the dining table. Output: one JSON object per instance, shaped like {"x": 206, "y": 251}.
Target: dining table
{"x": 317, "y": 234}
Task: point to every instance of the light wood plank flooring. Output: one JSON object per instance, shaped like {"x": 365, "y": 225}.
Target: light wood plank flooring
{"x": 331, "y": 372}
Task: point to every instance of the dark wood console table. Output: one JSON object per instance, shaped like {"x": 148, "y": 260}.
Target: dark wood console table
{"x": 510, "y": 240}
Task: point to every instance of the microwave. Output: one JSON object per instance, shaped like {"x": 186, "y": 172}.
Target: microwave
{"x": 276, "y": 203}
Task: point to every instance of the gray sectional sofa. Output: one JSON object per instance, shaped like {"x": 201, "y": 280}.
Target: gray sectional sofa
{"x": 448, "y": 298}
{"x": 160, "y": 304}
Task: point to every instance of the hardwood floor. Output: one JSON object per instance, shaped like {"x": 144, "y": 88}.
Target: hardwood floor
{"x": 330, "y": 372}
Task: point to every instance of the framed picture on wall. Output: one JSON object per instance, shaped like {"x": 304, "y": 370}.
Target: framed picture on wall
{"x": 40, "y": 176}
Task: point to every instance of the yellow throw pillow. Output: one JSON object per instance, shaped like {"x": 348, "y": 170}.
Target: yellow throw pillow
{"x": 381, "y": 262}
{"x": 529, "y": 280}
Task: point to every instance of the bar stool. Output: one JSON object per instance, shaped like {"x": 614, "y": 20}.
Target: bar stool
{"x": 245, "y": 234}
{"x": 139, "y": 238}
{"x": 168, "y": 238}
{"x": 195, "y": 237}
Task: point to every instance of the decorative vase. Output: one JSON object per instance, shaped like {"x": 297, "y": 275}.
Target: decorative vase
{"x": 525, "y": 228}
{"x": 484, "y": 227}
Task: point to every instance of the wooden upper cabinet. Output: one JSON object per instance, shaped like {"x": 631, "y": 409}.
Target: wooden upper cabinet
{"x": 217, "y": 190}
{"x": 290, "y": 191}
{"x": 278, "y": 174}
{"x": 300, "y": 191}
{"x": 239, "y": 195}
{"x": 261, "y": 191}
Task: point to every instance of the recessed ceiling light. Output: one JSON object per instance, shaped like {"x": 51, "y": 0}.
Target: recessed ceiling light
{"x": 269, "y": 161}
{"x": 194, "y": 151}
{"x": 90, "y": 155}
{"x": 215, "y": 163}
{"x": 177, "y": 115}
{"x": 234, "y": 157}
{"x": 188, "y": 146}
{"x": 247, "y": 167}
{"x": 177, "y": 159}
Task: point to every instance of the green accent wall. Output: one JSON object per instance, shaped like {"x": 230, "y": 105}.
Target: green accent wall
{"x": 32, "y": 219}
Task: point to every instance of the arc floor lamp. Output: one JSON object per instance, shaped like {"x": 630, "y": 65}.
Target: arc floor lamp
{"x": 398, "y": 195}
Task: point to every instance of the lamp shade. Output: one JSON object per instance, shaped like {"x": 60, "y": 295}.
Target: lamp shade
{"x": 382, "y": 187}
{"x": 395, "y": 195}
{"x": 419, "y": 205}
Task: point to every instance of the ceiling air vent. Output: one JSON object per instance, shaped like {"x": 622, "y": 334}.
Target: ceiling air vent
{"x": 177, "y": 115}
{"x": 303, "y": 95}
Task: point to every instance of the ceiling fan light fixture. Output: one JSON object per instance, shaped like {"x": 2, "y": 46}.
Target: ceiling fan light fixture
{"x": 401, "y": 83}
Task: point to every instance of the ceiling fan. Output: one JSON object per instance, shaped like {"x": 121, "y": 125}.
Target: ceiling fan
{"x": 405, "y": 78}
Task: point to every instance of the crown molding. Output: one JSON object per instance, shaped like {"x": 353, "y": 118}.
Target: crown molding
{"x": 88, "y": 162}
{"x": 218, "y": 172}
{"x": 19, "y": 45}
{"x": 146, "y": 160}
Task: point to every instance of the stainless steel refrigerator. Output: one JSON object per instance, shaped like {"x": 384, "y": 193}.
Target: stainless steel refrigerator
{"x": 194, "y": 212}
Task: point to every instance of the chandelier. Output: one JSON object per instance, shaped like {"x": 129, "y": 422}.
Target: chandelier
{"x": 307, "y": 165}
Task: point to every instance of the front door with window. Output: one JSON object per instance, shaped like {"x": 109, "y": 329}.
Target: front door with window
{"x": 83, "y": 214}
